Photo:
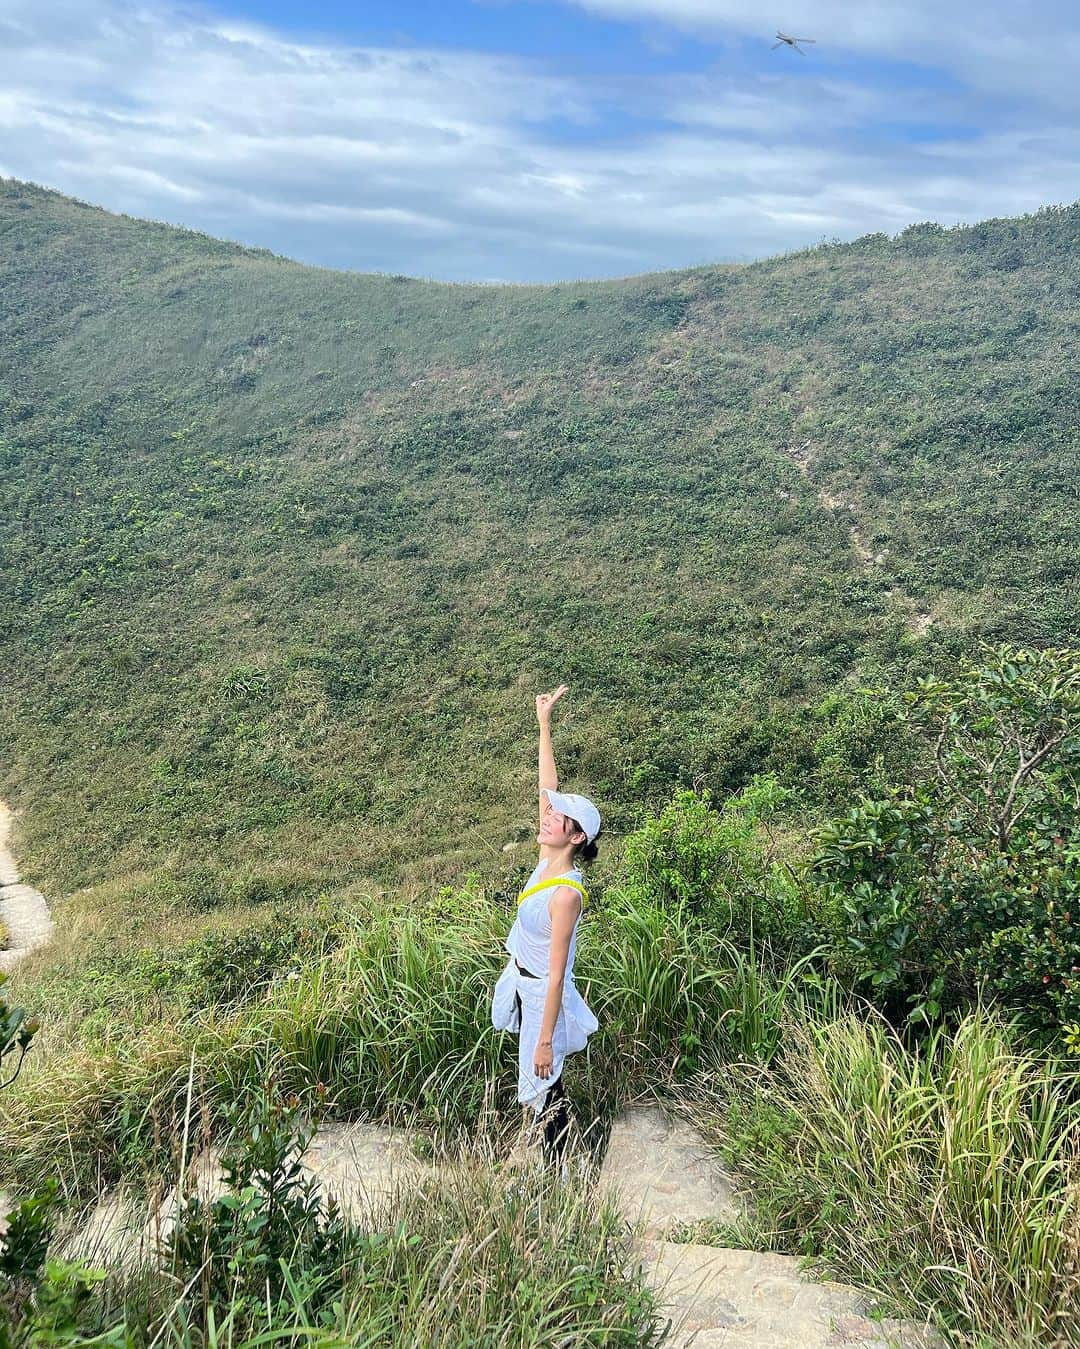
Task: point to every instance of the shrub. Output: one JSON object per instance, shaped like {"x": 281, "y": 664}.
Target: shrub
{"x": 273, "y": 1235}
{"x": 713, "y": 864}
{"x": 972, "y": 881}
{"x": 44, "y": 1300}
{"x": 16, "y": 1032}
{"x": 24, "y": 1245}
{"x": 860, "y": 744}
{"x": 220, "y": 968}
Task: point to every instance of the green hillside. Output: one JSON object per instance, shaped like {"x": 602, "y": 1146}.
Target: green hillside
{"x": 286, "y": 552}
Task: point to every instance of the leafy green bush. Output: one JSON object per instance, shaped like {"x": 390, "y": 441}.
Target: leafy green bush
{"x": 714, "y": 864}
{"x": 273, "y": 1238}
{"x": 24, "y": 1245}
{"x": 860, "y": 743}
{"x": 219, "y": 968}
{"x": 16, "y": 1032}
{"x": 677, "y": 857}
{"x": 64, "y": 1312}
{"x": 973, "y": 880}
{"x": 44, "y": 1300}
{"x": 871, "y": 864}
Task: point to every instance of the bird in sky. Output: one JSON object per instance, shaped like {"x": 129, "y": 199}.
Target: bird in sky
{"x": 791, "y": 42}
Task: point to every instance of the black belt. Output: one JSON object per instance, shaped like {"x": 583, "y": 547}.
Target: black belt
{"x": 527, "y": 973}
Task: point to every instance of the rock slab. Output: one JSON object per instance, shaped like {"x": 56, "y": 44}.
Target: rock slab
{"x": 23, "y": 910}
{"x": 660, "y": 1172}
{"x": 362, "y": 1164}
{"x": 727, "y": 1299}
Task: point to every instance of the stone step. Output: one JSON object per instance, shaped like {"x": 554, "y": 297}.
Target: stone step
{"x": 659, "y": 1171}
{"x": 25, "y": 916}
{"x": 120, "y": 1231}
{"x": 751, "y": 1300}
{"x": 360, "y": 1164}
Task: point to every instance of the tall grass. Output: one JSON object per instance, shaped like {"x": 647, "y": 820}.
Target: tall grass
{"x": 477, "y": 1253}
{"x": 669, "y": 989}
{"x": 395, "y": 1023}
{"x": 946, "y": 1178}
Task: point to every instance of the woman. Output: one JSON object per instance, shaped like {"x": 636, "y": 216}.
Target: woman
{"x": 535, "y": 996}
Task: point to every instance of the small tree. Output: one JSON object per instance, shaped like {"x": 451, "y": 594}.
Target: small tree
{"x": 1006, "y": 738}
{"x": 274, "y": 1237}
{"x": 970, "y": 881}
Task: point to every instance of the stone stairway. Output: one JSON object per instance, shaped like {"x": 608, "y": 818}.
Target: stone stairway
{"x": 659, "y": 1173}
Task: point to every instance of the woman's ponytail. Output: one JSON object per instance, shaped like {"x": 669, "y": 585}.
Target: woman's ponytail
{"x": 586, "y": 852}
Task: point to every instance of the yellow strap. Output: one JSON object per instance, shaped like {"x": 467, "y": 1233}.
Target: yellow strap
{"x": 556, "y": 880}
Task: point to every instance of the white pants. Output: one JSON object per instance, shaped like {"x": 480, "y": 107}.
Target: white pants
{"x": 574, "y": 1025}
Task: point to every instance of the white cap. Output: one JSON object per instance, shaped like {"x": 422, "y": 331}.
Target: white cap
{"x": 579, "y": 808}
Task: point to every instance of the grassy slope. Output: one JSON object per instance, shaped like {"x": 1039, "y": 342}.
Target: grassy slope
{"x": 286, "y": 552}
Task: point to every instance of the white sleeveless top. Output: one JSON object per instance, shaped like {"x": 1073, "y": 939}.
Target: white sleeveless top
{"x": 529, "y": 940}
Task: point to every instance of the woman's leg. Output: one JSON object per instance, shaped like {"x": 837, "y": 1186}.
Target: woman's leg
{"x": 556, "y": 1121}
{"x": 552, "y": 1117}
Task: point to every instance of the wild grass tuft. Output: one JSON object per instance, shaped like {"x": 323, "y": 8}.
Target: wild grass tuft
{"x": 945, "y": 1178}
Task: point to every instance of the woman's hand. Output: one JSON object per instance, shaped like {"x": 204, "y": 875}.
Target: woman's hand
{"x": 542, "y": 1061}
{"x": 546, "y": 701}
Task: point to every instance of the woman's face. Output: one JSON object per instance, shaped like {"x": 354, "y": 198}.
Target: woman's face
{"x": 557, "y": 830}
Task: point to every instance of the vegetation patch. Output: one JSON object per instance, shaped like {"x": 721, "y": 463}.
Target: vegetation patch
{"x": 945, "y": 1178}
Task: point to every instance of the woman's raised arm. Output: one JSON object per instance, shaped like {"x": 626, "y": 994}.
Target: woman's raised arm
{"x": 547, "y": 774}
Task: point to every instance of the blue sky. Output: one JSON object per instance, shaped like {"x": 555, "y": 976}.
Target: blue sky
{"x": 529, "y": 140}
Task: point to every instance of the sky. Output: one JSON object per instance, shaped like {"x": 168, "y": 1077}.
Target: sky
{"x": 543, "y": 140}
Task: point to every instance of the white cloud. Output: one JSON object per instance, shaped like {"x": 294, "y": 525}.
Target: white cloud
{"x": 459, "y": 165}
{"x": 148, "y": 180}
{"x": 1029, "y": 48}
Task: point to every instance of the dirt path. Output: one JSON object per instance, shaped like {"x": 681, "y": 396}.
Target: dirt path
{"x": 23, "y": 910}
{"x": 803, "y": 456}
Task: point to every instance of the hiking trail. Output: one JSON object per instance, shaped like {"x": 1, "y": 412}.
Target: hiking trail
{"x": 657, "y": 1170}
{"x": 23, "y": 911}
